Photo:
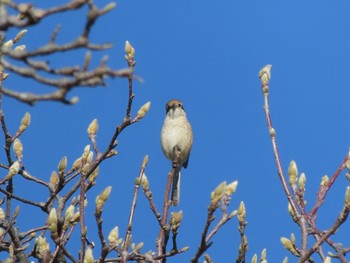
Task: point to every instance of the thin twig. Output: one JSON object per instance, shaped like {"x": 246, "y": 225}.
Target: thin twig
{"x": 127, "y": 239}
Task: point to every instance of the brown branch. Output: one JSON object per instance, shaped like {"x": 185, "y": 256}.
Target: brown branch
{"x": 164, "y": 230}
{"x": 340, "y": 220}
{"x": 264, "y": 75}
{"x": 323, "y": 191}
{"x": 127, "y": 238}
{"x": 31, "y": 15}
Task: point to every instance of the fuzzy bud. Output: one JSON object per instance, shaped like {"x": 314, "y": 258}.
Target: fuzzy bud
{"x": 109, "y": 7}
{"x": 143, "y": 110}
{"x": 241, "y": 212}
{"x": 20, "y": 48}
{"x": 2, "y": 214}
{"x": 302, "y": 181}
{"x": 129, "y": 51}
{"x": 18, "y": 148}
{"x": 218, "y": 192}
{"x": 265, "y": 74}
{"x": 62, "y": 165}
{"x": 254, "y": 259}
{"x": 85, "y": 153}
{"x": 75, "y": 219}
{"x": 102, "y": 198}
{"x": 324, "y": 180}
{"x": 77, "y": 164}
{"x": 42, "y": 247}
{"x": 25, "y": 122}
{"x": 231, "y": 188}
{"x": 293, "y": 173}
{"x": 89, "y": 257}
{"x": 87, "y": 60}
{"x": 68, "y": 215}
{"x": 263, "y": 254}
{"x": 288, "y": 245}
{"x": 8, "y": 44}
{"x": 144, "y": 182}
{"x": 113, "y": 237}
{"x": 14, "y": 169}
{"x": 54, "y": 180}
{"x": 93, "y": 128}
{"x": 175, "y": 219}
{"x": 20, "y": 35}
{"x": 52, "y": 221}
{"x": 93, "y": 175}
{"x": 90, "y": 157}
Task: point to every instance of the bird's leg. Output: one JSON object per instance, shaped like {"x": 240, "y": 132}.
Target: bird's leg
{"x": 177, "y": 152}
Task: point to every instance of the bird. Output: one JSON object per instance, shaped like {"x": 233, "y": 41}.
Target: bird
{"x": 176, "y": 140}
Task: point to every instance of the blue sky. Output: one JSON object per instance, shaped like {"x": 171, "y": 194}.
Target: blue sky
{"x": 208, "y": 54}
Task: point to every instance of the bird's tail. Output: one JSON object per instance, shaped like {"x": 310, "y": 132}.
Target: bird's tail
{"x": 175, "y": 192}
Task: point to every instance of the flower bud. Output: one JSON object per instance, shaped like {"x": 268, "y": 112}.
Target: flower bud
{"x": 129, "y": 51}
{"x": 52, "y": 221}
{"x": 219, "y": 191}
{"x": 8, "y": 44}
{"x": 175, "y": 219}
{"x": 113, "y": 237}
{"x": 265, "y": 74}
{"x": 263, "y": 254}
{"x": 68, "y": 215}
{"x": 93, "y": 175}
{"x": 109, "y": 7}
{"x": 14, "y": 169}
{"x": 25, "y": 122}
{"x": 85, "y": 153}
{"x": 241, "y": 212}
{"x": 144, "y": 182}
{"x": 20, "y": 35}
{"x": 292, "y": 238}
{"x": 42, "y": 247}
{"x": 2, "y": 214}
{"x": 77, "y": 164}
{"x": 54, "y": 180}
{"x": 102, "y": 198}
{"x": 4, "y": 75}
{"x": 20, "y": 48}
{"x": 93, "y": 128}
{"x": 85, "y": 168}
{"x": 18, "y": 148}
{"x": 143, "y": 110}
{"x": 136, "y": 248}
{"x": 90, "y": 157}
{"x": 231, "y": 188}
{"x": 302, "y": 181}
{"x": 254, "y": 259}
{"x": 75, "y": 219}
{"x": 74, "y": 100}
{"x": 89, "y": 257}
{"x": 87, "y": 60}
{"x": 145, "y": 160}
{"x": 288, "y": 245}
{"x": 62, "y": 165}
{"x": 324, "y": 180}
{"x": 293, "y": 173}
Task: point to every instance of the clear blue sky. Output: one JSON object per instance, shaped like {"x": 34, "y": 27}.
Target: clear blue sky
{"x": 208, "y": 54}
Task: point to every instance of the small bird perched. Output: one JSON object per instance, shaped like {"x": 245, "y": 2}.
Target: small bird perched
{"x": 176, "y": 139}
